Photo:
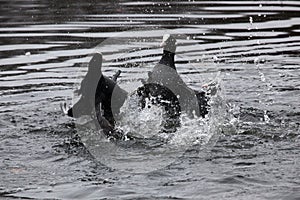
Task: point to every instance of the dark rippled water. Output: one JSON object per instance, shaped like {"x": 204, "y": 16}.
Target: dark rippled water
{"x": 255, "y": 45}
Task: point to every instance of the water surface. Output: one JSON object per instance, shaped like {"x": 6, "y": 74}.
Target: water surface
{"x": 45, "y": 46}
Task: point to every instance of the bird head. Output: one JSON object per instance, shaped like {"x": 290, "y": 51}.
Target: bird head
{"x": 169, "y": 43}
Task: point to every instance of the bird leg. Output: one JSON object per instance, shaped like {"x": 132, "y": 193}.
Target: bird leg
{"x": 116, "y": 75}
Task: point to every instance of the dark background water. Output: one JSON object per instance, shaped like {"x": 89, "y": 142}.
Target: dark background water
{"x": 255, "y": 45}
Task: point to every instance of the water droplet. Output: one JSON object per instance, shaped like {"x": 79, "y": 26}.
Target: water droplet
{"x": 251, "y": 20}
{"x": 262, "y": 77}
{"x": 215, "y": 58}
{"x": 28, "y": 53}
{"x": 266, "y": 117}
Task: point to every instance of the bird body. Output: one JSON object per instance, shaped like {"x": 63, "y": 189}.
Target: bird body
{"x": 97, "y": 92}
{"x": 165, "y": 74}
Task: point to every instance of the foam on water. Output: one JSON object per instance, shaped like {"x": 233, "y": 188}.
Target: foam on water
{"x": 146, "y": 123}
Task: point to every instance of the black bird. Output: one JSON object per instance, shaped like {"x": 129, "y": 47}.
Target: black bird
{"x": 100, "y": 96}
{"x": 165, "y": 87}
{"x": 165, "y": 74}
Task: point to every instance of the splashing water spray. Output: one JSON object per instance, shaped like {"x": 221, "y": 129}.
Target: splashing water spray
{"x": 152, "y": 149}
{"x": 267, "y": 86}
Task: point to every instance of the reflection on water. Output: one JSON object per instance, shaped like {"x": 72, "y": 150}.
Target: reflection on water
{"x": 45, "y": 45}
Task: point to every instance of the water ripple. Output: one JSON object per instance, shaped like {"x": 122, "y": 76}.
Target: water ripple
{"x": 45, "y": 47}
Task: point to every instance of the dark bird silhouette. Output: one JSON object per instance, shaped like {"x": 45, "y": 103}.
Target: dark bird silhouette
{"x": 101, "y": 97}
{"x": 165, "y": 74}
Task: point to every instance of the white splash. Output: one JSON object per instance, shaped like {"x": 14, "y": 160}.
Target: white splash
{"x": 143, "y": 123}
{"x": 199, "y": 131}
{"x": 146, "y": 123}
